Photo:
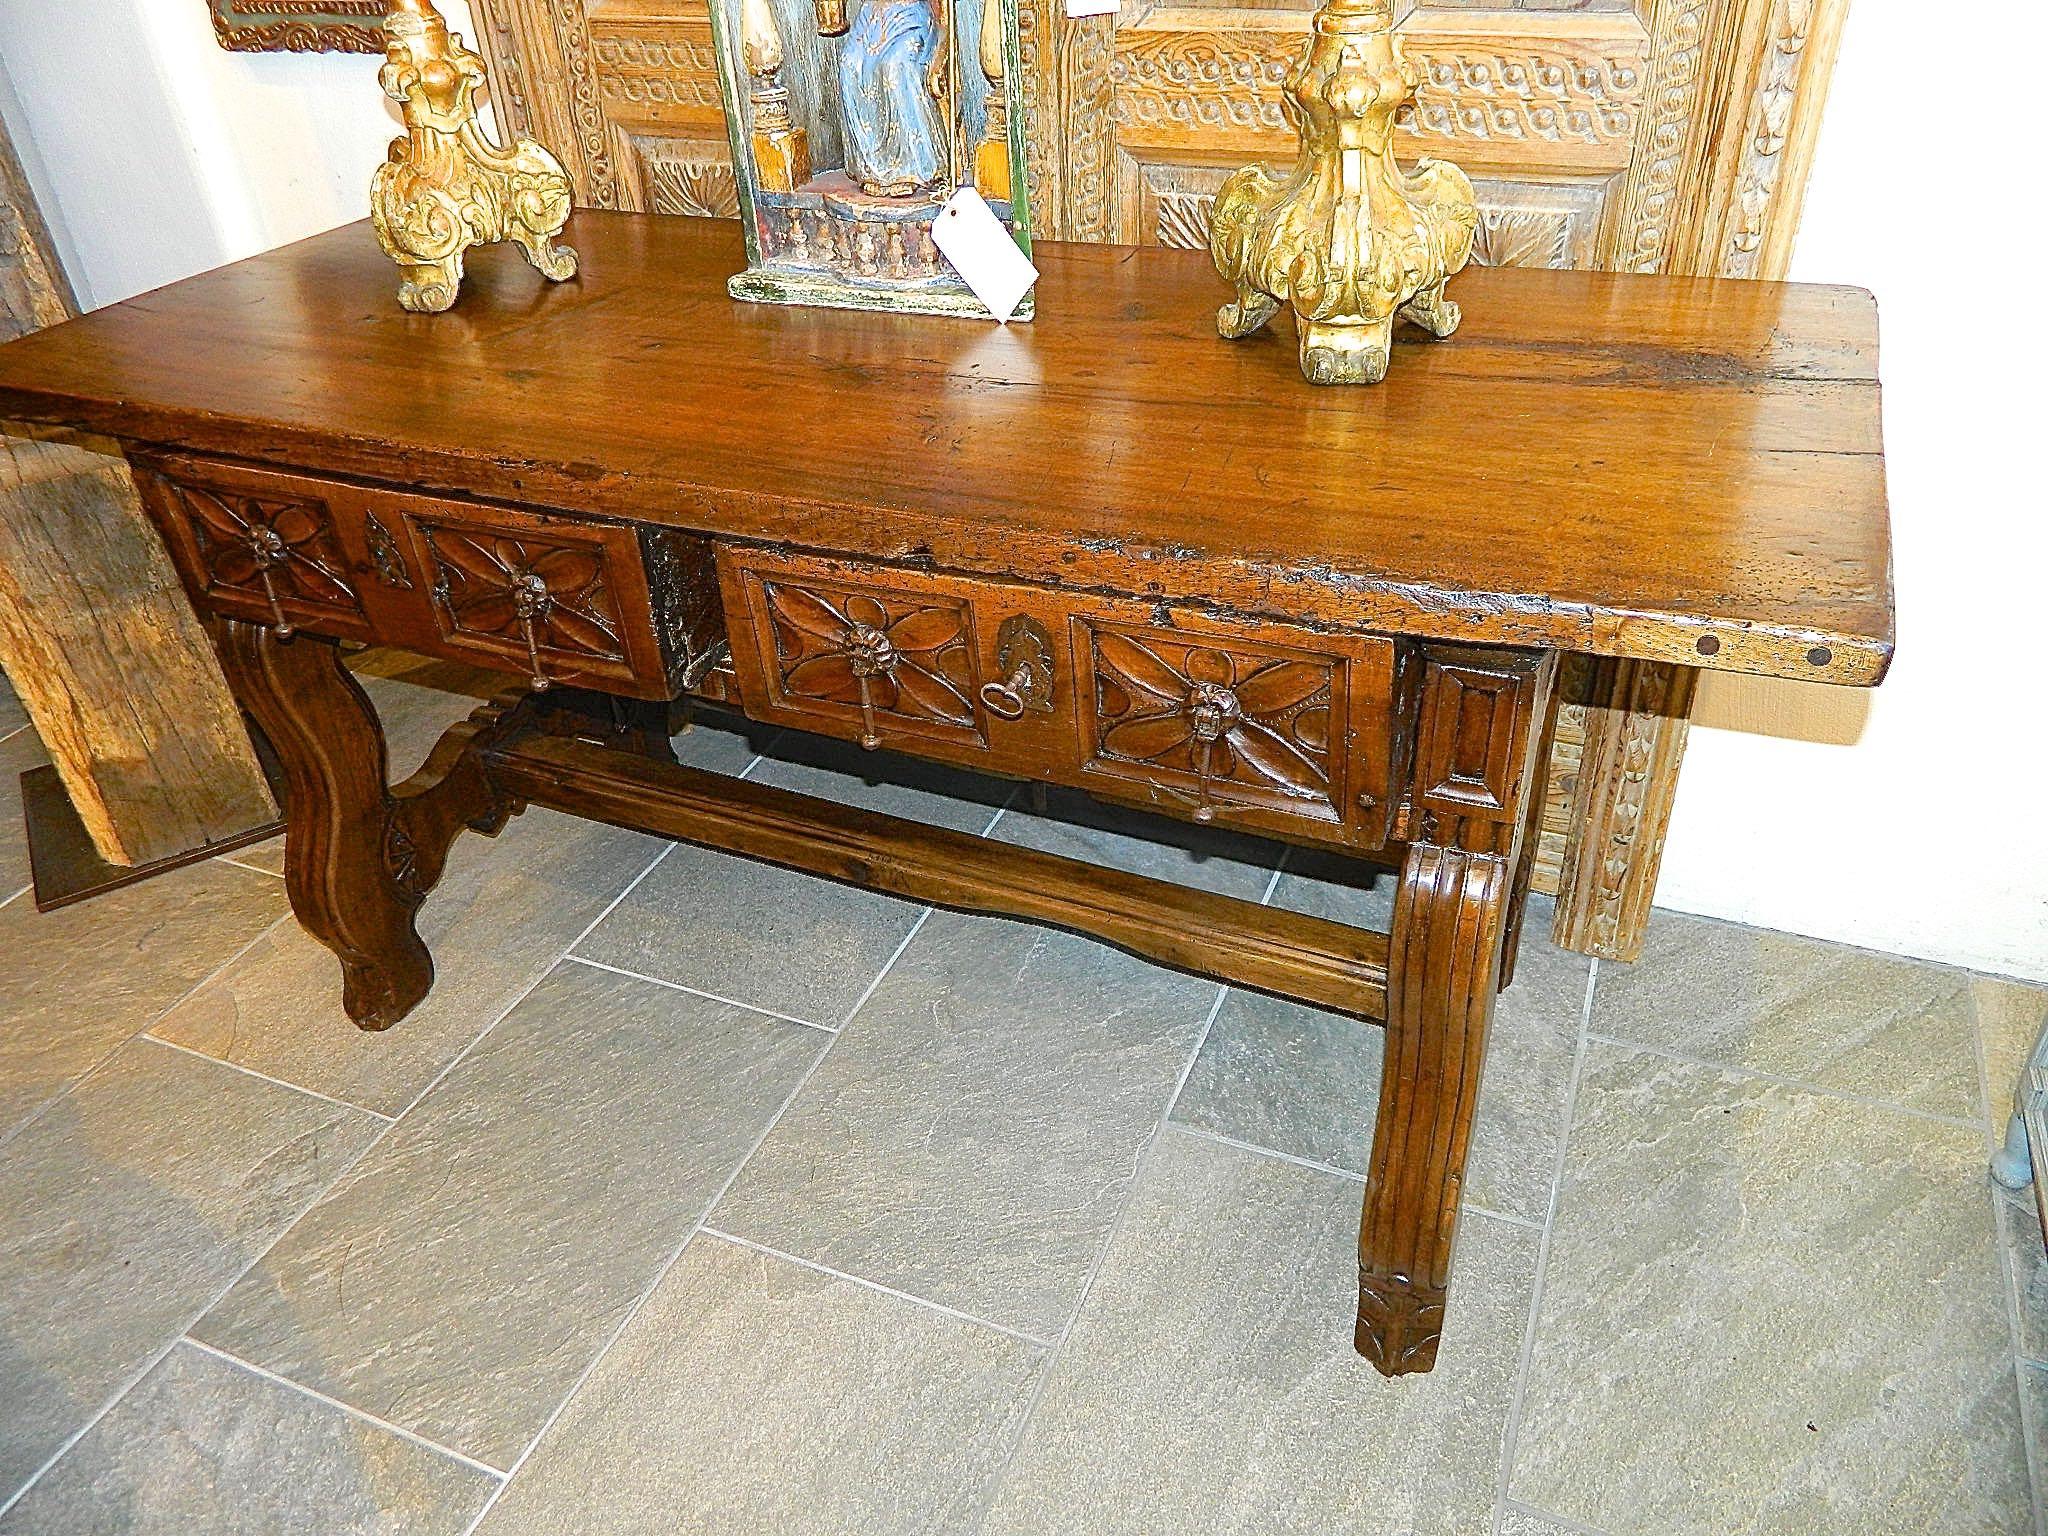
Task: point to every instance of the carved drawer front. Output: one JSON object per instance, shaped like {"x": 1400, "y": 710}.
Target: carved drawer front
{"x": 262, "y": 547}
{"x": 621, "y": 607}
{"x": 1256, "y": 724}
{"x": 1240, "y": 721}
{"x": 883, "y": 657}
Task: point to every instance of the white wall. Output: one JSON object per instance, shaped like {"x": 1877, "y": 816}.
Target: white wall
{"x": 1928, "y": 836}
{"x": 164, "y": 156}
{"x": 157, "y": 154}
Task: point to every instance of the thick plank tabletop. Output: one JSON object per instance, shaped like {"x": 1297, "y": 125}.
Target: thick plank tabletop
{"x": 1663, "y": 468}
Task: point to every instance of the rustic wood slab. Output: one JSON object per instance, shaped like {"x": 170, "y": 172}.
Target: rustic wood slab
{"x": 1496, "y": 487}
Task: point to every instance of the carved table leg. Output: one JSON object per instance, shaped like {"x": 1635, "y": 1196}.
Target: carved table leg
{"x": 1444, "y": 968}
{"x": 358, "y": 859}
{"x": 1476, "y": 764}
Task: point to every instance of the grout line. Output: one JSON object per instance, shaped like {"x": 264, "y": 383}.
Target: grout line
{"x": 874, "y": 1285}
{"x": 1802, "y": 1084}
{"x": 265, "y": 1077}
{"x": 1279, "y": 866}
{"x": 7, "y": 736}
{"x": 2001, "y": 1252}
{"x": 677, "y": 986}
{"x": 1273, "y": 1152}
{"x": 1465, "y": 1207}
{"x": 254, "y": 869}
{"x": 1052, "y": 1358}
{"x": 1511, "y": 1431}
{"x": 662, "y": 1271}
{"x": 887, "y": 966}
{"x": 154, "y": 1019}
{"x": 1008, "y": 800}
{"x": 348, "y": 1408}
{"x": 8, "y": 901}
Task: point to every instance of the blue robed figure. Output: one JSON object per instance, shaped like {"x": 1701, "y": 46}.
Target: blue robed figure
{"x": 895, "y": 143}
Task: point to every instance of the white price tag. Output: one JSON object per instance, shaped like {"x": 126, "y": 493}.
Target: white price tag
{"x": 1076, "y": 8}
{"x": 983, "y": 253}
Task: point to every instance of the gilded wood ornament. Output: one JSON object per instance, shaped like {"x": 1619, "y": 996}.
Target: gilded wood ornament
{"x": 445, "y": 186}
{"x": 1347, "y": 239}
{"x": 298, "y": 26}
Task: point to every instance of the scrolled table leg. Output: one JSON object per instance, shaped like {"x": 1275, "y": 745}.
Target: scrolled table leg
{"x": 359, "y": 859}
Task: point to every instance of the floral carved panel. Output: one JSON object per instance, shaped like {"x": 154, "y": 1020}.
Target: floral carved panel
{"x": 1214, "y": 723}
{"x": 280, "y": 558}
{"x": 552, "y": 602}
{"x": 889, "y": 658}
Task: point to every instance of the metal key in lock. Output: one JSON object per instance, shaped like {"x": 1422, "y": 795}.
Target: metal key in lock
{"x": 1024, "y": 655}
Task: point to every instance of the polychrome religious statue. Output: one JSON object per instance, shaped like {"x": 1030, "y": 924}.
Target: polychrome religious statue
{"x": 853, "y": 122}
{"x": 889, "y": 111}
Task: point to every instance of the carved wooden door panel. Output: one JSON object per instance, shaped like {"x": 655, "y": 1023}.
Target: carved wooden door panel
{"x": 1641, "y": 135}
{"x": 624, "y": 91}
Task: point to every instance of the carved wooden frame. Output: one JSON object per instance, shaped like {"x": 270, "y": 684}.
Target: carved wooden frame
{"x": 299, "y": 26}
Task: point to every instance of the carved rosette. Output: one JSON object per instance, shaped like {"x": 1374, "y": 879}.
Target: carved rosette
{"x": 278, "y": 553}
{"x": 881, "y": 653}
{"x": 553, "y": 601}
{"x": 1347, "y": 239}
{"x": 1222, "y": 723}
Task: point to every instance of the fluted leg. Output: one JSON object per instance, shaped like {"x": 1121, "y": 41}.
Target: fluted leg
{"x": 1444, "y": 969}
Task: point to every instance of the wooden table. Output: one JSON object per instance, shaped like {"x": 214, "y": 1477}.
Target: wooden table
{"x": 1104, "y": 550}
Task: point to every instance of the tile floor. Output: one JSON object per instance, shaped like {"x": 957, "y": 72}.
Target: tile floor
{"x": 702, "y": 1196}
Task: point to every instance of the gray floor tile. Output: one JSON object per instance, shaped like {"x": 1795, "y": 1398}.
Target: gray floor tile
{"x": 882, "y": 781}
{"x": 971, "y": 1136}
{"x": 1210, "y": 1383}
{"x": 1846, "y": 1019}
{"x": 19, "y": 752}
{"x": 752, "y": 1394}
{"x": 461, "y": 1277}
{"x": 1077, "y": 827}
{"x": 125, "y": 1210}
{"x": 1325, "y": 884}
{"x": 757, "y": 933}
{"x": 1767, "y": 1310}
{"x": 12, "y": 716}
{"x": 1307, "y": 1083}
{"x": 1527, "y": 1522}
{"x": 77, "y": 982}
{"x": 2010, "y": 1017}
{"x": 502, "y": 914}
{"x": 2034, "y": 1390}
{"x": 2026, "y": 1256}
{"x": 720, "y": 742}
{"x": 201, "y": 1445}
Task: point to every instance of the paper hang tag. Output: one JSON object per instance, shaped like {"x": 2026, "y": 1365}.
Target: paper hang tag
{"x": 1079, "y": 8}
{"x": 983, "y": 253}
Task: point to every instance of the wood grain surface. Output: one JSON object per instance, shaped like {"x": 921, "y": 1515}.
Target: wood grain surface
{"x": 1497, "y": 488}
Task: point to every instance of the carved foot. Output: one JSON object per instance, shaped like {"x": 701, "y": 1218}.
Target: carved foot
{"x": 548, "y": 258}
{"x": 1399, "y": 1322}
{"x": 1355, "y": 352}
{"x": 1432, "y": 311}
{"x": 429, "y": 288}
{"x": 2013, "y": 1164}
{"x": 1250, "y": 313}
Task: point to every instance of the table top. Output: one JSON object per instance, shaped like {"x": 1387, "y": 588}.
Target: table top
{"x": 1661, "y": 468}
